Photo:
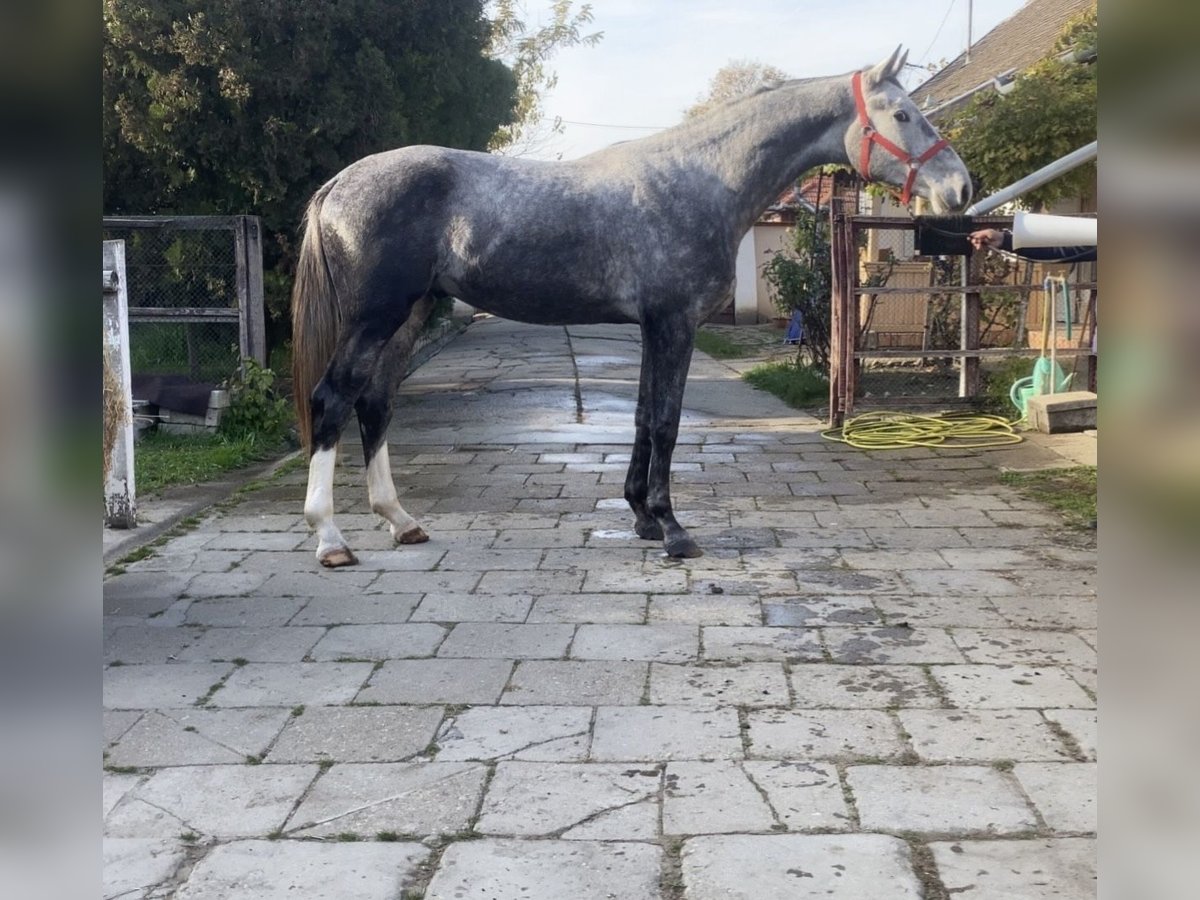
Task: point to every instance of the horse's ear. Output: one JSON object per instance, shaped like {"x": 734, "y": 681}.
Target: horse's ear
{"x": 889, "y": 68}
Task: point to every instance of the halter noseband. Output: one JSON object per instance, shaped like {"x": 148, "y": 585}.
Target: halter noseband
{"x": 871, "y": 136}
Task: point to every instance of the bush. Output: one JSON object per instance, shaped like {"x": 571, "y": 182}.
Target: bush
{"x": 801, "y": 279}
{"x": 256, "y": 410}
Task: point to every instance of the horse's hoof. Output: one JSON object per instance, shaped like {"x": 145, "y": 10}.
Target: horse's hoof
{"x": 683, "y": 548}
{"x": 649, "y": 531}
{"x": 414, "y": 535}
{"x": 338, "y": 557}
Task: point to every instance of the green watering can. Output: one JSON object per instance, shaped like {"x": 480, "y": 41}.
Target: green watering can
{"x": 1047, "y": 378}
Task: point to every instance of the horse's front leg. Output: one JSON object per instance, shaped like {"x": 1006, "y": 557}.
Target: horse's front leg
{"x": 667, "y": 351}
{"x": 636, "y": 483}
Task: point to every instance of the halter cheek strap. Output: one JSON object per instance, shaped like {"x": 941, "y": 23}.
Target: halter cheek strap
{"x": 871, "y": 136}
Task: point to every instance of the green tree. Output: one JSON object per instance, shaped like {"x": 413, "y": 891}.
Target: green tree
{"x": 1049, "y": 112}
{"x": 527, "y": 51}
{"x": 736, "y": 78}
{"x": 801, "y": 279}
{"x": 247, "y": 106}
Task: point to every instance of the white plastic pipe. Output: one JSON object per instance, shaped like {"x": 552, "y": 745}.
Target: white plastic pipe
{"x": 1072, "y": 160}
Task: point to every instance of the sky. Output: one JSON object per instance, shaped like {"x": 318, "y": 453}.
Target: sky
{"x": 657, "y": 56}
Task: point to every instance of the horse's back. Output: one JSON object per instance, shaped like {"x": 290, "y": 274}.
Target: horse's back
{"x": 593, "y": 240}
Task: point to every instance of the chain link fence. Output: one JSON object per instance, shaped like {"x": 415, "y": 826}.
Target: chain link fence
{"x": 195, "y": 294}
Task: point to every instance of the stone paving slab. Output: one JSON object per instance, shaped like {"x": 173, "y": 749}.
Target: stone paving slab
{"x": 134, "y": 865}
{"x": 1064, "y": 794}
{"x": 536, "y": 733}
{"x": 954, "y": 800}
{"x": 546, "y": 870}
{"x": 823, "y": 734}
{"x": 216, "y": 801}
{"x": 578, "y": 682}
{"x": 363, "y": 799}
{"x": 1006, "y": 687}
{"x": 798, "y": 867}
{"x": 748, "y": 685}
{"x": 1060, "y": 869}
{"x": 530, "y": 800}
{"x": 283, "y": 870}
{"x": 821, "y": 685}
{"x": 290, "y": 684}
{"x": 944, "y": 735}
{"x": 654, "y": 733}
{"x": 192, "y": 737}
{"x": 356, "y": 733}
{"x": 882, "y": 659}
{"x": 161, "y": 686}
{"x": 437, "y": 681}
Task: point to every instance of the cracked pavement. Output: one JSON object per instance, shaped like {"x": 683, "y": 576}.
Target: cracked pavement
{"x": 879, "y": 682}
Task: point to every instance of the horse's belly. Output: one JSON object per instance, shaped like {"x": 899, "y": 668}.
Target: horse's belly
{"x": 548, "y": 302}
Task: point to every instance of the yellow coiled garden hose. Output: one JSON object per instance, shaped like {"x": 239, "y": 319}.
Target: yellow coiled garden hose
{"x": 893, "y": 431}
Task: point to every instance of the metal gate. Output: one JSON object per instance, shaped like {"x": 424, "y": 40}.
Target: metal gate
{"x": 936, "y": 357}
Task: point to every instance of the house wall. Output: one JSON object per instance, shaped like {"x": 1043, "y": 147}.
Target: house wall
{"x": 768, "y": 237}
{"x": 888, "y": 244}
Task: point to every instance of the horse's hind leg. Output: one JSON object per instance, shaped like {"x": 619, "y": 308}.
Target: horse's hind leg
{"x": 353, "y": 364}
{"x": 374, "y": 408}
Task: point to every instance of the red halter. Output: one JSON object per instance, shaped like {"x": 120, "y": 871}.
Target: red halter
{"x": 871, "y": 136}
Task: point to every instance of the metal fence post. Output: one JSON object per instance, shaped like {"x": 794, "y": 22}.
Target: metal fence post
{"x": 836, "y": 331}
{"x": 969, "y": 377}
{"x": 120, "y": 508}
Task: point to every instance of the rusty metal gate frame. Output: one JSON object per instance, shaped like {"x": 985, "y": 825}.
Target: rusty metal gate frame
{"x": 844, "y": 353}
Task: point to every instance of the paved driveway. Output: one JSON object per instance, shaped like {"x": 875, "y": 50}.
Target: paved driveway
{"x": 878, "y": 683}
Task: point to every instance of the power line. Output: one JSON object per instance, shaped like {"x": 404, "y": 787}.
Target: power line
{"x": 607, "y": 125}
{"x": 937, "y": 33}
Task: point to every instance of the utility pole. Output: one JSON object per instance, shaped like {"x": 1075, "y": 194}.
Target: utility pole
{"x": 970, "y": 16}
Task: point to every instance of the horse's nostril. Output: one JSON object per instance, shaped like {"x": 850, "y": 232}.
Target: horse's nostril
{"x": 964, "y": 195}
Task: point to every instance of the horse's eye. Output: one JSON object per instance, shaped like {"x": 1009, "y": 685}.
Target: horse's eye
{"x": 901, "y": 116}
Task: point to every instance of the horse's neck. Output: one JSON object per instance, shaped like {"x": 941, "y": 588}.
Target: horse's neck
{"x": 763, "y": 143}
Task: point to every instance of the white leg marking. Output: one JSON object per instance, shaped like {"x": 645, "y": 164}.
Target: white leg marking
{"x": 381, "y": 491}
{"x": 318, "y": 503}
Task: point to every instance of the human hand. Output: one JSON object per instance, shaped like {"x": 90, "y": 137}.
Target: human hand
{"x": 986, "y": 237}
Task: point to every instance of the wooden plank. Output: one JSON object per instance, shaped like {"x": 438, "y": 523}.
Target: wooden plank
{"x": 899, "y": 223}
{"x": 242, "y": 286}
{"x": 970, "y": 288}
{"x": 120, "y": 500}
{"x": 183, "y": 314}
{"x": 256, "y": 312}
{"x": 983, "y": 353}
{"x": 177, "y": 223}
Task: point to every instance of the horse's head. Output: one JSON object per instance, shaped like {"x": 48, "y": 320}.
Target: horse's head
{"x": 890, "y": 141}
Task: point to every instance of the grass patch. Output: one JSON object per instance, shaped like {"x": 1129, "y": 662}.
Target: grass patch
{"x": 1072, "y": 492}
{"x": 164, "y": 459}
{"x": 796, "y": 384}
{"x": 998, "y": 378}
{"x": 719, "y": 346}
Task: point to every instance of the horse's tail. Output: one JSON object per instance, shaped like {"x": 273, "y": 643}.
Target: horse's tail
{"x": 316, "y": 318}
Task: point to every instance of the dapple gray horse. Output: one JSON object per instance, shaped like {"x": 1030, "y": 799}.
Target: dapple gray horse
{"x": 645, "y": 231}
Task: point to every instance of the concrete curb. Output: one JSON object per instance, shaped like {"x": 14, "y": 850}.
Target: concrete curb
{"x": 158, "y": 515}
